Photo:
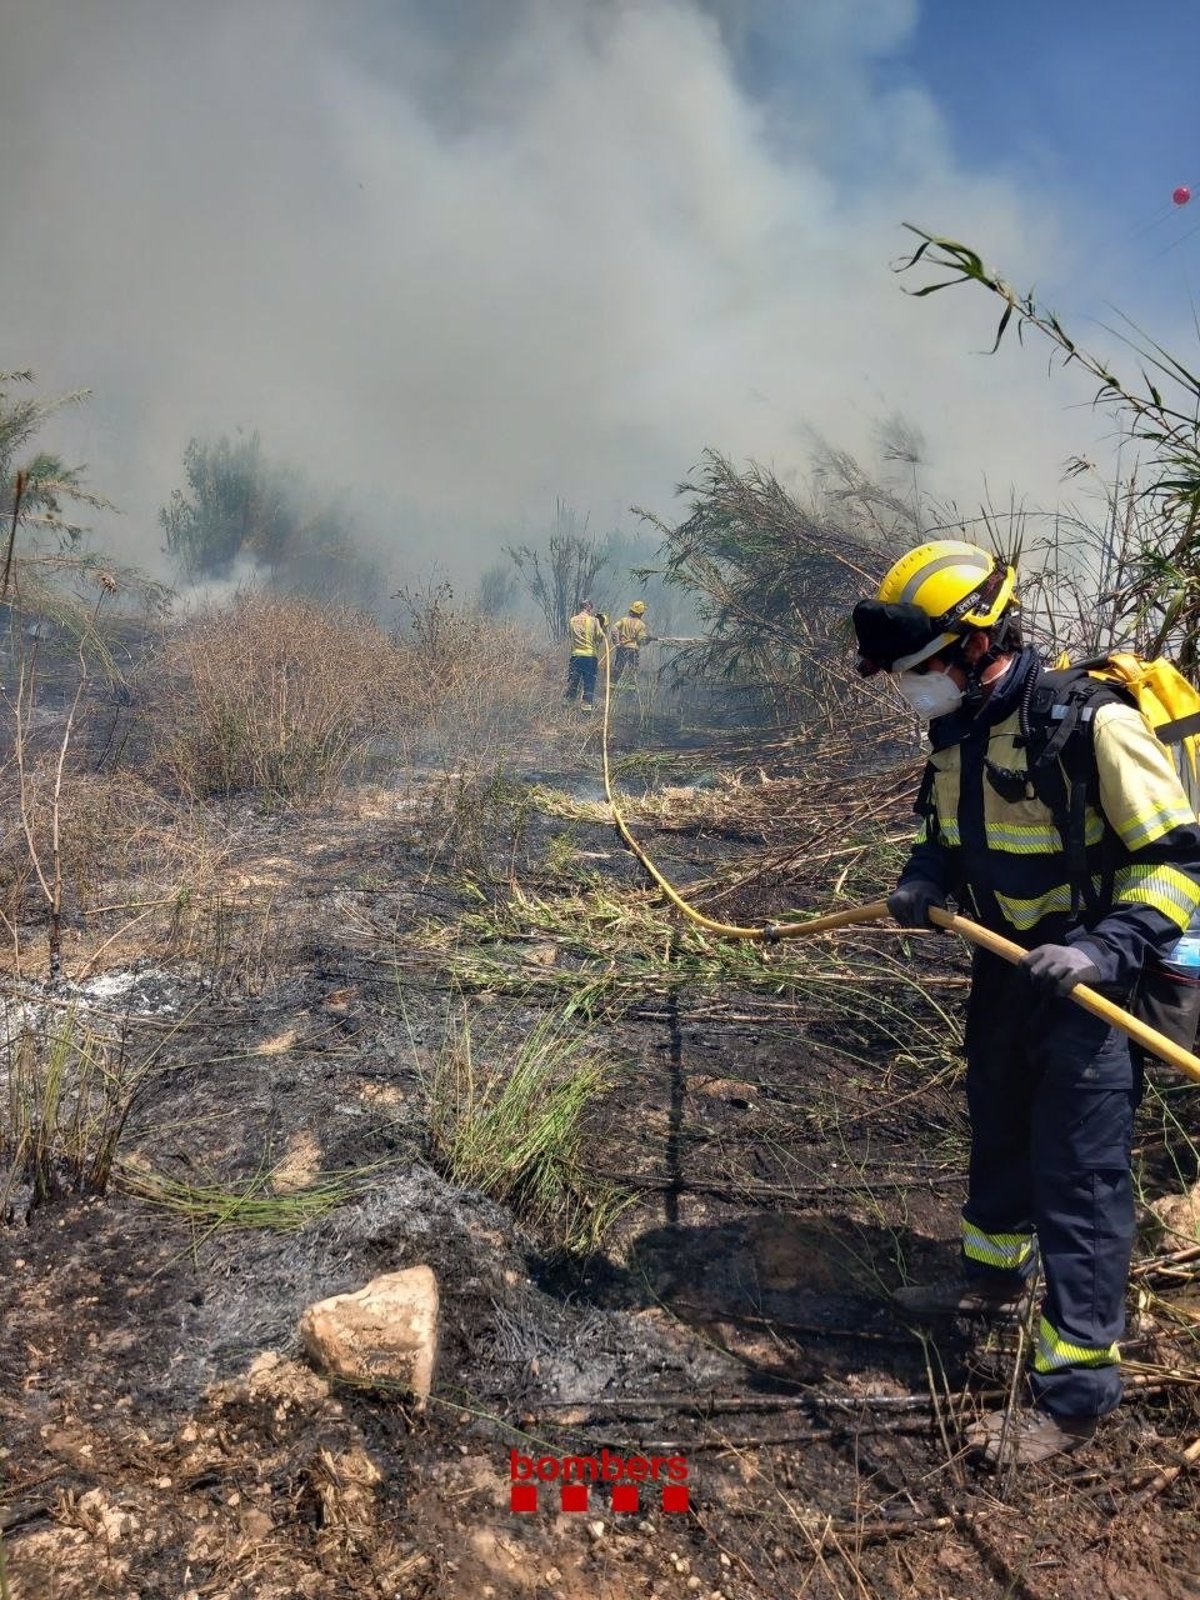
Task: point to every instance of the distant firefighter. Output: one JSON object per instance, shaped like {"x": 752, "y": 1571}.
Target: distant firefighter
{"x": 586, "y": 633}
{"x": 628, "y": 637}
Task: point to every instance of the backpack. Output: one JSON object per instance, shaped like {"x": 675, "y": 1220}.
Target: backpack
{"x": 1057, "y": 722}
{"x": 1169, "y": 703}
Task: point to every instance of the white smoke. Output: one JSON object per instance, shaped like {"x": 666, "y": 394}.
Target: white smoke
{"x": 464, "y": 255}
{"x": 244, "y": 577}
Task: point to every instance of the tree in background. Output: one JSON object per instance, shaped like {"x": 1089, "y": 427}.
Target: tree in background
{"x": 563, "y": 571}
{"x": 49, "y": 574}
{"x": 498, "y": 591}
{"x": 239, "y": 506}
{"x": 47, "y": 577}
{"x": 49, "y": 484}
{"x": 233, "y": 507}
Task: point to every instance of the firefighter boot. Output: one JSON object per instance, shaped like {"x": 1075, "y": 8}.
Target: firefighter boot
{"x": 962, "y": 1297}
{"x": 1028, "y": 1436}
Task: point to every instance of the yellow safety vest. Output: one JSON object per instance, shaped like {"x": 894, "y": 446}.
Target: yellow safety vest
{"x": 585, "y": 634}
{"x": 1139, "y": 793}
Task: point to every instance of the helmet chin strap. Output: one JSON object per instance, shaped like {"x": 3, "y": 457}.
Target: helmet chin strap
{"x": 975, "y": 690}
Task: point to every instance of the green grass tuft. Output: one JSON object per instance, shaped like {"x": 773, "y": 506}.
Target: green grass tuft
{"x": 515, "y": 1131}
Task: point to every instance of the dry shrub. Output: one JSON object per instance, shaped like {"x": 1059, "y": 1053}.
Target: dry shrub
{"x": 275, "y": 696}
{"x": 130, "y": 855}
{"x": 473, "y": 684}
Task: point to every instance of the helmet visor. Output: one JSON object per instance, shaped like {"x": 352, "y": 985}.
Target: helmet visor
{"x": 933, "y": 648}
{"x": 892, "y": 638}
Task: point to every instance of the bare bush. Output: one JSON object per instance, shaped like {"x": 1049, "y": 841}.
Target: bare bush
{"x": 275, "y": 696}
{"x": 135, "y": 865}
{"x": 775, "y": 580}
{"x": 472, "y": 684}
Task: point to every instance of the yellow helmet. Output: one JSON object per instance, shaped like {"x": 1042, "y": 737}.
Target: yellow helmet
{"x": 931, "y": 597}
{"x": 637, "y": 608}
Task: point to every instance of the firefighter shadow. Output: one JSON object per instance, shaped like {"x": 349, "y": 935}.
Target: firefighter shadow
{"x": 802, "y": 1296}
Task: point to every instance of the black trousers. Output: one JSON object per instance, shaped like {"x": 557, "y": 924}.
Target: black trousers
{"x": 581, "y": 675}
{"x": 624, "y": 656}
{"x": 1052, "y": 1093}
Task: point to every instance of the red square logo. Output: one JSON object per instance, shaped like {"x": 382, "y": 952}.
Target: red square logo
{"x": 625, "y": 1497}
{"x": 574, "y": 1497}
{"x": 523, "y": 1497}
{"x": 675, "y": 1497}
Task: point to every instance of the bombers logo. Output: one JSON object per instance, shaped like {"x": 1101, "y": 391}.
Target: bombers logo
{"x": 575, "y": 1475}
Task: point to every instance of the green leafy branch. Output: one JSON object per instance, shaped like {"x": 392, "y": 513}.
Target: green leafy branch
{"x": 1167, "y": 420}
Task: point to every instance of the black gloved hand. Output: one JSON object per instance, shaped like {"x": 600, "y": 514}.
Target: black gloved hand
{"x": 909, "y": 903}
{"x": 1057, "y": 968}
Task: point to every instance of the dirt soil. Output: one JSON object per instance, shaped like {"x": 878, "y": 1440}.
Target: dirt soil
{"x": 161, "y": 1434}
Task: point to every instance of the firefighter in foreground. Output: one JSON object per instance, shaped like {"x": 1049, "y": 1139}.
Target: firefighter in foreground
{"x": 585, "y": 631}
{"x": 1051, "y": 1090}
{"x": 629, "y": 634}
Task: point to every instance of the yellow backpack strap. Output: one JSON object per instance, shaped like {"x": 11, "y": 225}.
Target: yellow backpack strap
{"x": 1131, "y": 670}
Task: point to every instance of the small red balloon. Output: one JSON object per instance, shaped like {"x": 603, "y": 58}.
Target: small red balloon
{"x": 1182, "y": 195}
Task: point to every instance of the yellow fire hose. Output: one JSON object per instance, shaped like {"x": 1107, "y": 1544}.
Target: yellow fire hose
{"x": 1140, "y": 1032}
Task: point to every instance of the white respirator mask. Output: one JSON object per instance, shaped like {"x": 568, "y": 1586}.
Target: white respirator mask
{"x": 930, "y": 694}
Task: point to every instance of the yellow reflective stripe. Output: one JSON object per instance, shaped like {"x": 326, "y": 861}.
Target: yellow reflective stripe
{"x": 1036, "y": 839}
{"x": 1026, "y": 914}
{"x": 1053, "y": 1352}
{"x": 968, "y": 560}
{"x": 1165, "y": 888}
{"x": 1023, "y": 841}
{"x": 939, "y": 832}
{"x": 1011, "y": 1251}
{"x": 1143, "y": 829}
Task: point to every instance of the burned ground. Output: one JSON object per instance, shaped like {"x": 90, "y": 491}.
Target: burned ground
{"x": 782, "y": 1142}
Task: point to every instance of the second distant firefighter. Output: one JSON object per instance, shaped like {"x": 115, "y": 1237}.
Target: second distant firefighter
{"x": 628, "y": 637}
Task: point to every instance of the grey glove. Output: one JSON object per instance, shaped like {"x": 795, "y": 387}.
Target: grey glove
{"x": 1057, "y": 968}
{"x": 909, "y": 903}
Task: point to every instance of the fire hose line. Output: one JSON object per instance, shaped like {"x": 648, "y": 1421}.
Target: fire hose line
{"x": 770, "y": 932}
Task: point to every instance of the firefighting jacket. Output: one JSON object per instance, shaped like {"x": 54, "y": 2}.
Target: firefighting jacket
{"x": 630, "y": 633}
{"x": 586, "y": 634}
{"x": 1006, "y": 858}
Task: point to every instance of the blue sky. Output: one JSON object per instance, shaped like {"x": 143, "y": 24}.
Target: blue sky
{"x": 1092, "y": 106}
{"x": 1094, "y": 101}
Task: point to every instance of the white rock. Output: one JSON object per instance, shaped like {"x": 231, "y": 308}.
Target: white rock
{"x": 385, "y": 1333}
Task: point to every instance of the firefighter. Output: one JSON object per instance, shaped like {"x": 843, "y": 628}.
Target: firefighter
{"x": 1051, "y": 1089}
{"x": 586, "y": 634}
{"x": 628, "y": 636}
